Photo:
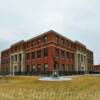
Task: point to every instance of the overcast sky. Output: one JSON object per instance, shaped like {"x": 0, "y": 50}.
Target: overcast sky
{"x": 75, "y": 19}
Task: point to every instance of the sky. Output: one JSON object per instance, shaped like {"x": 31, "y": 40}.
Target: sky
{"x": 75, "y": 19}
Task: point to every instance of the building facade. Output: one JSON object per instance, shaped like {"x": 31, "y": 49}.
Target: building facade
{"x": 45, "y": 53}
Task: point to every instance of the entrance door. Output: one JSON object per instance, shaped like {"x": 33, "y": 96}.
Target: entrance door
{"x": 27, "y": 69}
{"x": 15, "y": 69}
{"x": 39, "y": 68}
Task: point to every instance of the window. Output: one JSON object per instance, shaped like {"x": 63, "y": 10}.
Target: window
{"x": 72, "y": 46}
{"x": 33, "y": 55}
{"x": 15, "y": 57}
{"x": 66, "y": 67}
{"x": 82, "y": 58}
{"x": 62, "y": 54}
{"x": 38, "y": 41}
{"x": 1, "y": 61}
{"x": 62, "y": 41}
{"x": 45, "y": 52}
{"x": 27, "y": 68}
{"x": 38, "y": 53}
{"x": 63, "y": 67}
{"x": 15, "y": 48}
{"x": 57, "y": 40}
{"x": 33, "y": 43}
{"x": 57, "y": 52}
{"x": 12, "y": 58}
{"x": 27, "y": 56}
{"x": 5, "y": 61}
{"x": 82, "y": 68}
{"x": 20, "y": 57}
{"x": 67, "y": 55}
{"x": 38, "y": 67}
{"x": 69, "y": 44}
{"x": 73, "y": 56}
{"x": 70, "y": 55}
{"x": 79, "y": 58}
{"x": 45, "y": 38}
{"x": 27, "y": 44}
{"x": 72, "y": 67}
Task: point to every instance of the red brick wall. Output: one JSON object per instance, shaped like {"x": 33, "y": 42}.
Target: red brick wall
{"x": 97, "y": 68}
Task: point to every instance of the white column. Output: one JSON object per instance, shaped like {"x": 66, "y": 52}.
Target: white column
{"x": 13, "y": 70}
{"x": 22, "y": 62}
{"x": 76, "y": 61}
{"x": 80, "y": 64}
{"x": 18, "y": 62}
{"x": 86, "y": 64}
{"x": 10, "y": 65}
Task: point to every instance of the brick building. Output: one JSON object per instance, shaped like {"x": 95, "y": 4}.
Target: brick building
{"x": 44, "y": 53}
{"x": 96, "y": 68}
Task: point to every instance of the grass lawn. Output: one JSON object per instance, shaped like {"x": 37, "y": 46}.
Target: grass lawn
{"x": 30, "y": 88}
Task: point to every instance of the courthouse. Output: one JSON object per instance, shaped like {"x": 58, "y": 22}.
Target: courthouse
{"x": 47, "y": 52}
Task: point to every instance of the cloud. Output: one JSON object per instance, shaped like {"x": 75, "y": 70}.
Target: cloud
{"x": 76, "y": 19}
